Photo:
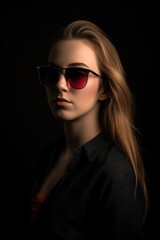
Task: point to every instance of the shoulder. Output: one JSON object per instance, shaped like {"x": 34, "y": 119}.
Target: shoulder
{"x": 114, "y": 159}
{"x": 116, "y": 176}
{"x": 114, "y": 167}
{"x": 106, "y": 158}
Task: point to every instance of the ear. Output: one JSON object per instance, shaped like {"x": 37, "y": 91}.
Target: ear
{"x": 102, "y": 95}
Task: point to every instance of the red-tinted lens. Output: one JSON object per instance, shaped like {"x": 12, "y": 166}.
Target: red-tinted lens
{"x": 76, "y": 77}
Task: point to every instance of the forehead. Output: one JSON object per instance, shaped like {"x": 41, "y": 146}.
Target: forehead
{"x": 66, "y": 52}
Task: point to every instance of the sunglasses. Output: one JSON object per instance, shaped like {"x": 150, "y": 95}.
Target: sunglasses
{"x": 76, "y": 77}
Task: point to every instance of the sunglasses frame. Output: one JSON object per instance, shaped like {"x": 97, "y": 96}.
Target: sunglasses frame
{"x": 60, "y": 70}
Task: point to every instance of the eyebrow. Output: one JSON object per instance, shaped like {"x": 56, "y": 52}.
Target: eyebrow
{"x": 75, "y": 64}
{"x": 78, "y": 64}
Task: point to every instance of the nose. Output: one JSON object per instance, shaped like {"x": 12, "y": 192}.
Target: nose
{"x": 62, "y": 83}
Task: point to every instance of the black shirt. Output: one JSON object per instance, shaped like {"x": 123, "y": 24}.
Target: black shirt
{"x": 95, "y": 199}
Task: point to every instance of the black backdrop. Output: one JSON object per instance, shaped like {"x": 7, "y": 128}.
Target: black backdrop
{"x": 29, "y": 126}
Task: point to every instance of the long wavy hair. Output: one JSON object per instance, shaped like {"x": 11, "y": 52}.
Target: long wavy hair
{"x": 117, "y": 112}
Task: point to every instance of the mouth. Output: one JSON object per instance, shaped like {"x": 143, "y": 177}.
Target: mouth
{"x": 62, "y": 100}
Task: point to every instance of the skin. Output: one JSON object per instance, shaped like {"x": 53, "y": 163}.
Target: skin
{"x": 80, "y": 112}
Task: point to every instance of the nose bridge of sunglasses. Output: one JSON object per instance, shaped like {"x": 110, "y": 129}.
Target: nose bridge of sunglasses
{"x": 62, "y": 77}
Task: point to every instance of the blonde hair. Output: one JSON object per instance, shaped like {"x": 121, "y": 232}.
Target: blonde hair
{"x": 117, "y": 110}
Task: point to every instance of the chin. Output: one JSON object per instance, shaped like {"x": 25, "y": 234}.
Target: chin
{"x": 62, "y": 117}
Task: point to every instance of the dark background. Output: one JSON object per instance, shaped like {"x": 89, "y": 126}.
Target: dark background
{"x": 28, "y": 124}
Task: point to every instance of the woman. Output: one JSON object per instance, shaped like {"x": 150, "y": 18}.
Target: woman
{"x": 92, "y": 184}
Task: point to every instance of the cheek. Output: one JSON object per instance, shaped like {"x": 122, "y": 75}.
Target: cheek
{"x": 87, "y": 95}
{"x": 92, "y": 90}
{"x": 50, "y": 93}
{"x": 50, "y": 96}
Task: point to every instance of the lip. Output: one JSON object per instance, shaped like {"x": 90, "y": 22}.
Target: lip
{"x": 62, "y": 101}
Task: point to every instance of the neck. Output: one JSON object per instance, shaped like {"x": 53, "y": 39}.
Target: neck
{"x": 80, "y": 131}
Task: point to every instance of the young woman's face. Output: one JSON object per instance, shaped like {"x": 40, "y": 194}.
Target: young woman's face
{"x": 65, "y": 102}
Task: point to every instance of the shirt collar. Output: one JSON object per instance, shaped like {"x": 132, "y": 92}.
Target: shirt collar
{"x": 94, "y": 146}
